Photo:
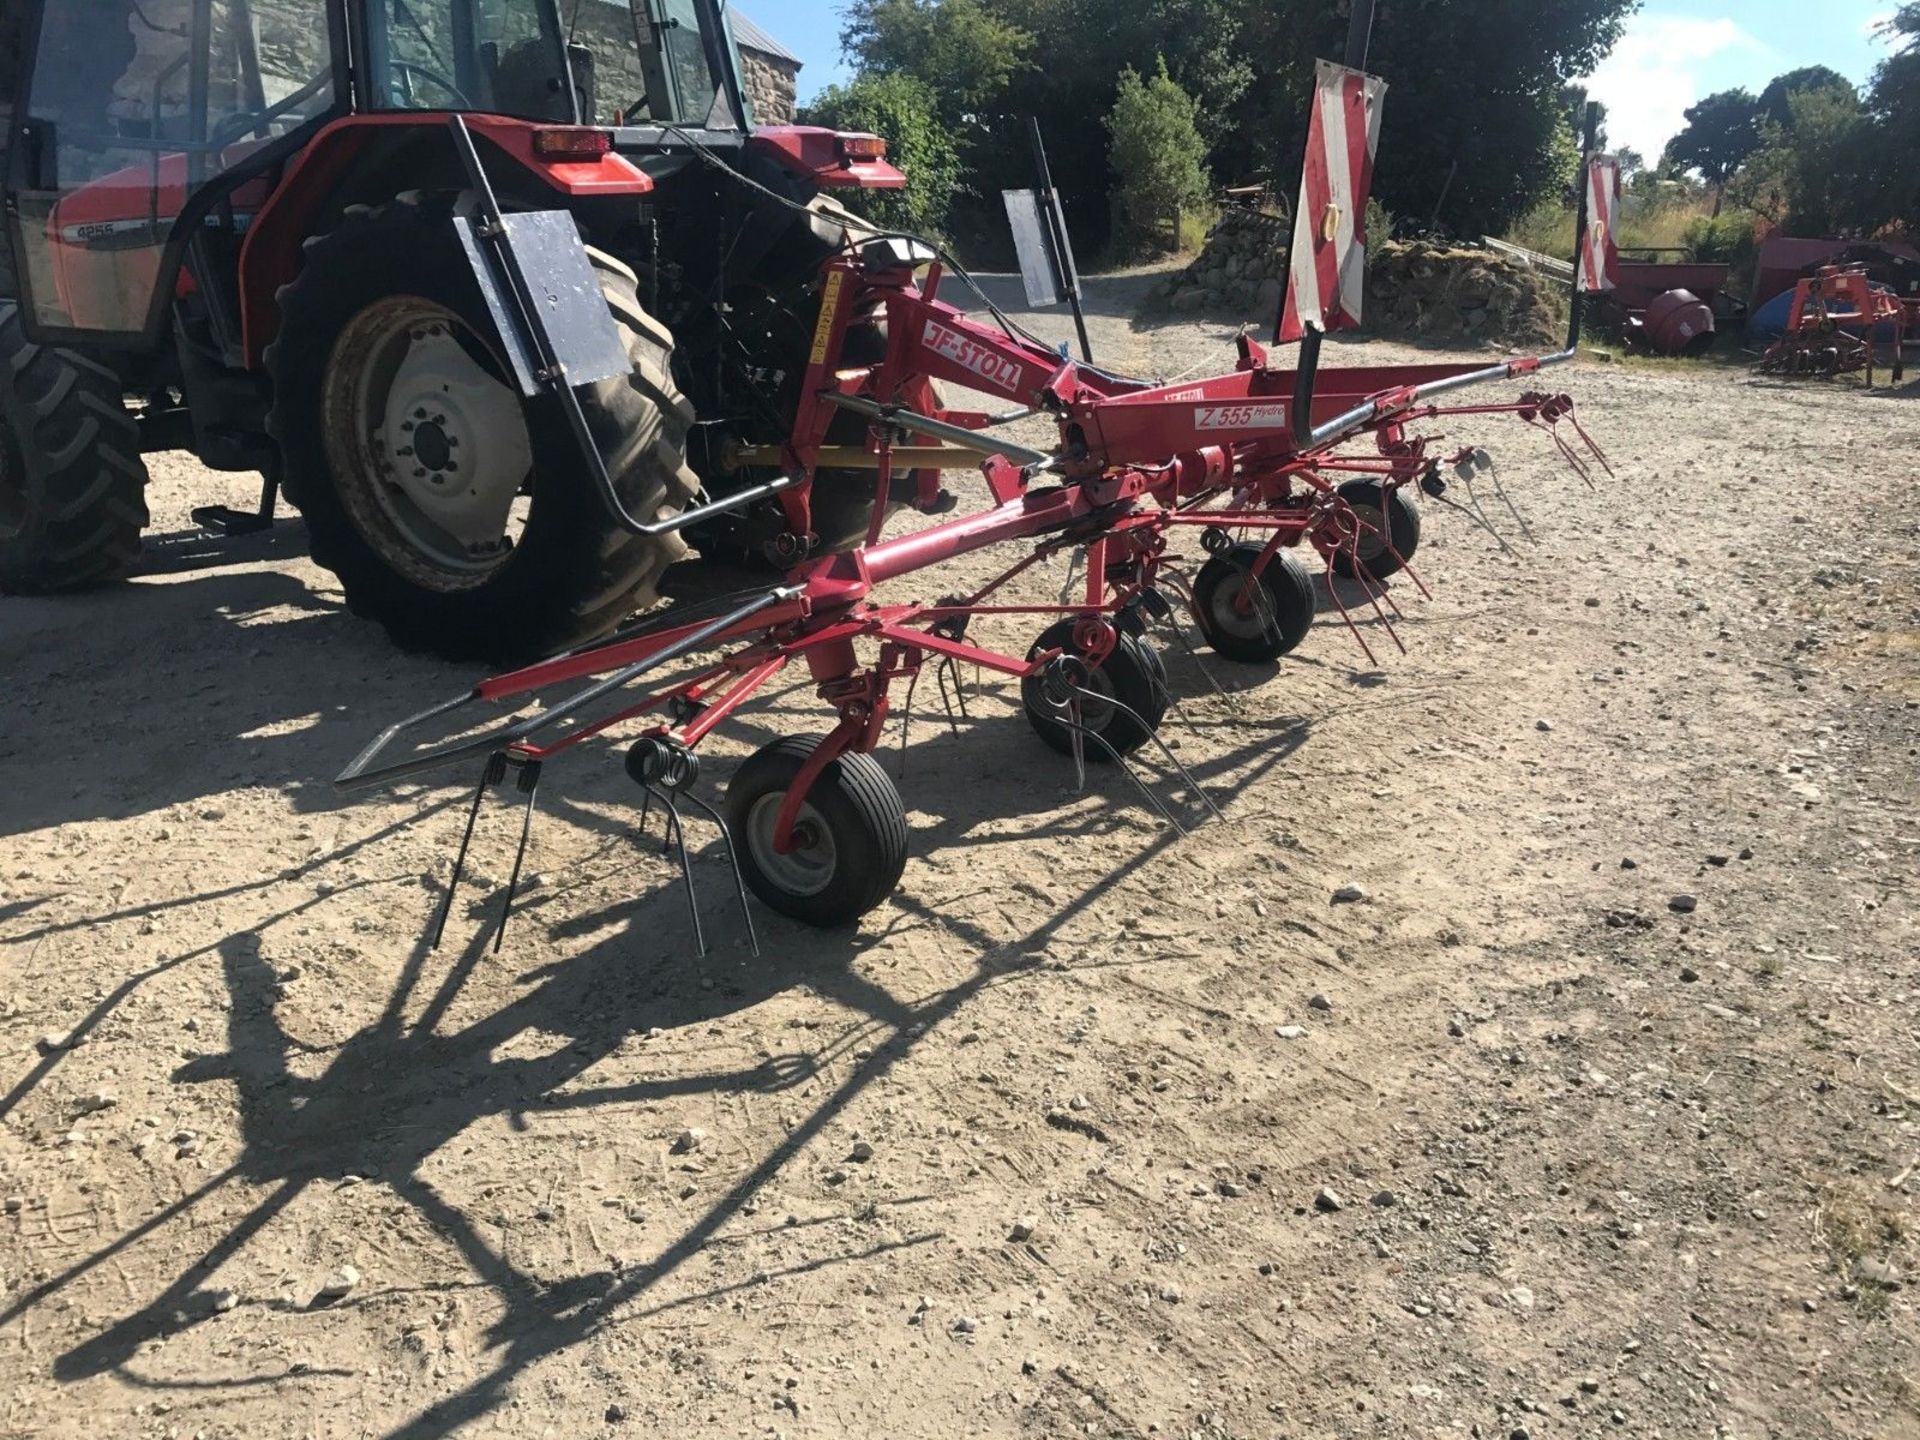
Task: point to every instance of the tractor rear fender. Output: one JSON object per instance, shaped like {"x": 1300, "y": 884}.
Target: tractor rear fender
{"x": 340, "y": 167}
{"x": 829, "y": 159}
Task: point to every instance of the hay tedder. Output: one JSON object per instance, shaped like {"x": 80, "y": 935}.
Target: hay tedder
{"x": 1262, "y": 464}
{"x": 1836, "y": 319}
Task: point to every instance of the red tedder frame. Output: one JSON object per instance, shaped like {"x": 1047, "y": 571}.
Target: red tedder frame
{"x": 1135, "y": 460}
{"x": 1259, "y": 450}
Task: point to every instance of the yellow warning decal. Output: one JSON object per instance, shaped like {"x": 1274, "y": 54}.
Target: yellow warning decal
{"x": 829, "y": 306}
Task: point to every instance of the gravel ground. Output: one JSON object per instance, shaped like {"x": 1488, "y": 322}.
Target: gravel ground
{"x": 1091, "y": 1130}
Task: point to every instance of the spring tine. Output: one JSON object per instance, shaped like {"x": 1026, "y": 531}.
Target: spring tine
{"x": 679, "y": 834}
{"x": 1079, "y": 732}
{"x": 1591, "y": 443}
{"x": 1118, "y": 759}
{"x": 906, "y": 723}
{"x": 1257, "y": 597}
{"x": 1493, "y": 474}
{"x": 1172, "y": 700}
{"x": 1172, "y": 759}
{"x": 1566, "y": 452}
{"x": 1385, "y": 532}
{"x": 733, "y": 860}
{"x": 1333, "y": 589}
{"x": 529, "y": 782}
{"x": 1173, "y": 627}
{"x": 1073, "y": 571}
{"x": 1499, "y": 539}
{"x": 487, "y": 777}
{"x": 1486, "y": 520}
{"x": 1373, "y": 590}
{"x": 946, "y": 701}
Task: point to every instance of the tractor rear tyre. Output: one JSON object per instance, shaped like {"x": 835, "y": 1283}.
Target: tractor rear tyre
{"x": 453, "y": 513}
{"x": 1389, "y": 513}
{"x": 72, "y": 484}
{"x": 849, "y": 841}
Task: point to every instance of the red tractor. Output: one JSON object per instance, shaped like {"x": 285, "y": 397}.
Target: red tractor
{"x": 228, "y": 232}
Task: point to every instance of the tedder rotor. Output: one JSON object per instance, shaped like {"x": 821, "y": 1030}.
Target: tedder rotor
{"x": 1266, "y": 462}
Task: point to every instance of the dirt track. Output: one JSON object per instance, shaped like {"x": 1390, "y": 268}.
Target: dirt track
{"x": 1601, "y": 1167}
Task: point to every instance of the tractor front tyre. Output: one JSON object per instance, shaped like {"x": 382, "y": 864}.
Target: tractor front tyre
{"x": 455, "y": 514}
{"x": 72, "y": 483}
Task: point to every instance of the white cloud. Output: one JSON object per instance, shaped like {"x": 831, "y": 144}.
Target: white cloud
{"x": 1649, "y": 80}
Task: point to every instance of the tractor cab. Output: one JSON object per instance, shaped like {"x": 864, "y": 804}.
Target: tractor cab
{"x": 150, "y": 129}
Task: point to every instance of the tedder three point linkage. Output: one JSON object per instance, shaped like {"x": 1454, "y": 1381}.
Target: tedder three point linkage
{"x": 1261, "y": 460}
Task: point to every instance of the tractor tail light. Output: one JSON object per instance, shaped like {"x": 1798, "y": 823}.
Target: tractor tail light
{"x": 857, "y": 148}
{"x": 571, "y": 142}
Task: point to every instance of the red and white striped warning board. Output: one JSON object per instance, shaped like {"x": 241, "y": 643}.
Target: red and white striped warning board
{"x": 1599, "y": 255}
{"x": 1329, "y": 261}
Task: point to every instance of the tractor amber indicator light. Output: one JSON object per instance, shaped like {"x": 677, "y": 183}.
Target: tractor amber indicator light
{"x": 571, "y": 142}
{"x": 854, "y": 148}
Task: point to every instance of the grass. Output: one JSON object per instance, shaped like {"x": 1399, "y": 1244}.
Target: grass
{"x": 1126, "y": 247}
{"x": 1658, "y": 222}
{"x": 1852, "y": 1228}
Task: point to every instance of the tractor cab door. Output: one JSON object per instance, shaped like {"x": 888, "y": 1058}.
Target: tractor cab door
{"x": 139, "y": 122}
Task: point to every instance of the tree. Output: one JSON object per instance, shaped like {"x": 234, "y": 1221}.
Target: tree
{"x": 1158, "y": 157}
{"x": 1477, "y": 84}
{"x": 1775, "y": 100}
{"x": 963, "y": 50}
{"x": 1894, "y": 103}
{"x": 1721, "y": 132}
{"x": 905, "y": 111}
{"x": 1813, "y": 175}
{"x": 1247, "y": 66}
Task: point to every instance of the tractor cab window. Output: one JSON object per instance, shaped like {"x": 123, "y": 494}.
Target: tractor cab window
{"x": 630, "y": 61}
{"x": 131, "y": 107}
{"x": 502, "y": 56}
{"x": 683, "y": 88}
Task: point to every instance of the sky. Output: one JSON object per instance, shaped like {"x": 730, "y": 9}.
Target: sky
{"x": 1674, "y": 52}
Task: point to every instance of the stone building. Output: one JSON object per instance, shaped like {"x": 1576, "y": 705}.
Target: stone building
{"x": 770, "y": 71}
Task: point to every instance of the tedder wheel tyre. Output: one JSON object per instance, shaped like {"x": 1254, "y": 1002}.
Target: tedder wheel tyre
{"x": 1131, "y": 674}
{"x": 72, "y": 484}
{"x": 1396, "y": 516}
{"x": 455, "y": 515}
{"x": 850, "y": 839}
{"x": 1253, "y": 629}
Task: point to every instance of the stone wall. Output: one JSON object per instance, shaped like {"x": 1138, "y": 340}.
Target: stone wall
{"x": 772, "y": 84}
{"x": 1420, "y": 289}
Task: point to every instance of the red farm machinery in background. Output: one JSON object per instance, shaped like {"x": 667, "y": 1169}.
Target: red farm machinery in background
{"x": 1837, "y": 319}
{"x": 1659, "y": 306}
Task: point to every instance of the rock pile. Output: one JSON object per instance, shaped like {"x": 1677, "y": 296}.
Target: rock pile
{"x": 1420, "y": 289}
{"x": 1435, "y": 291}
{"x": 1241, "y": 269}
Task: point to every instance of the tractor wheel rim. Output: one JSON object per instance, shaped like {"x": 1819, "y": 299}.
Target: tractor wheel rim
{"x": 807, "y": 868}
{"x": 438, "y": 437}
